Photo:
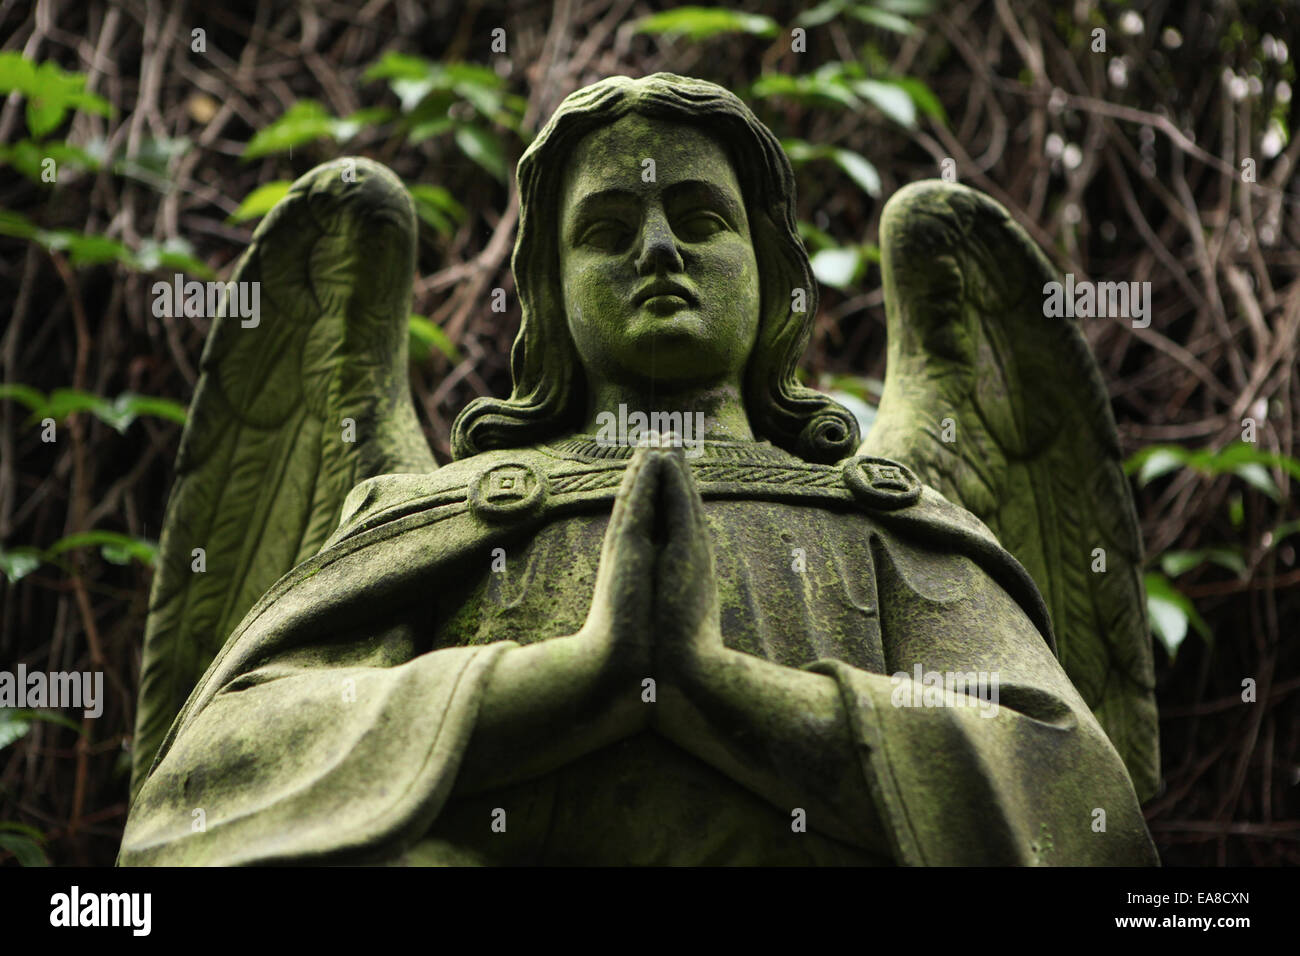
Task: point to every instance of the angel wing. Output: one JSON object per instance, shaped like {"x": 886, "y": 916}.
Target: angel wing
{"x": 298, "y": 399}
{"x": 1003, "y": 410}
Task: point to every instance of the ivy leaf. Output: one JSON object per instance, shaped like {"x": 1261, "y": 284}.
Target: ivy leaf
{"x": 836, "y": 267}
{"x": 33, "y": 398}
{"x": 822, "y": 13}
{"x": 436, "y": 206}
{"x": 884, "y": 19}
{"x": 25, "y": 849}
{"x": 1160, "y": 462}
{"x": 115, "y": 547}
{"x": 426, "y": 336}
{"x": 1170, "y": 612}
{"x": 260, "y": 200}
{"x": 815, "y": 90}
{"x": 17, "y": 563}
{"x": 303, "y": 122}
{"x": 174, "y": 254}
{"x": 699, "y": 23}
{"x": 17, "y": 74}
{"x": 1175, "y": 563}
{"x": 889, "y": 98}
{"x": 859, "y": 169}
{"x": 483, "y": 147}
{"x": 923, "y": 97}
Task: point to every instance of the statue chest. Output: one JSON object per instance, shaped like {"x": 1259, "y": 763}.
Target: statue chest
{"x": 795, "y": 583}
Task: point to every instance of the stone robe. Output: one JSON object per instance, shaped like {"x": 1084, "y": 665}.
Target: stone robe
{"x": 331, "y": 726}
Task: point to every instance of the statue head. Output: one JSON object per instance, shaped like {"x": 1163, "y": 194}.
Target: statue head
{"x": 737, "y": 309}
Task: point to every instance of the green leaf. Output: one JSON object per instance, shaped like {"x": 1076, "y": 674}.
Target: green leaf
{"x": 426, "y": 336}
{"x": 13, "y": 826}
{"x": 303, "y": 122}
{"x": 1175, "y": 563}
{"x": 1242, "y": 459}
{"x": 882, "y": 18}
{"x": 699, "y": 23}
{"x": 814, "y": 238}
{"x": 116, "y": 548}
{"x": 33, "y": 398}
{"x": 428, "y": 129}
{"x": 134, "y": 405}
{"x": 1161, "y": 461}
{"x": 483, "y": 147}
{"x": 17, "y": 74}
{"x": 436, "y": 206}
{"x": 63, "y": 402}
{"x": 47, "y": 716}
{"x": 1285, "y": 530}
{"x": 26, "y": 157}
{"x": 119, "y": 413}
{"x": 13, "y": 727}
{"x": 822, "y": 13}
{"x": 17, "y": 225}
{"x": 152, "y": 160}
{"x": 1170, "y": 612}
{"x": 859, "y": 169}
{"x": 50, "y": 94}
{"x": 923, "y": 97}
{"x": 17, "y": 563}
{"x": 25, "y": 850}
{"x": 260, "y": 200}
{"x": 87, "y": 250}
{"x": 175, "y": 255}
{"x": 1257, "y": 476}
{"x": 816, "y": 90}
{"x": 393, "y": 65}
{"x": 836, "y": 267}
{"x": 889, "y": 98}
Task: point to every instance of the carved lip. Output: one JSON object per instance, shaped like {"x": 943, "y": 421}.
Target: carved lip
{"x": 665, "y": 287}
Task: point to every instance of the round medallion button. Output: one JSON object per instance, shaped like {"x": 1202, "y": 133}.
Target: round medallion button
{"x": 506, "y": 492}
{"x": 881, "y": 483}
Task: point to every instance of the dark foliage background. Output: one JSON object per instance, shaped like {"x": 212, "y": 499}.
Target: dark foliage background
{"x": 1124, "y": 165}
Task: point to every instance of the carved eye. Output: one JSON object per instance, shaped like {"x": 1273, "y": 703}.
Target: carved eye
{"x": 698, "y": 226}
{"x": 606, "y": 234}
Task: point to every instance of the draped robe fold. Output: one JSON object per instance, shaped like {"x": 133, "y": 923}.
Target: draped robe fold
{"x": 331, "y": 726}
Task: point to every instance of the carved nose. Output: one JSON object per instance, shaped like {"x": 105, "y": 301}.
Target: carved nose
{"x": 658, "y": 248}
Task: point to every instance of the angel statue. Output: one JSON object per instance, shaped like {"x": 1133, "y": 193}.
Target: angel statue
{"x": 779, "y": 643}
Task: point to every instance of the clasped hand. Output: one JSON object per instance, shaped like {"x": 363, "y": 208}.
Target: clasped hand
{"x": 654, "y": 610}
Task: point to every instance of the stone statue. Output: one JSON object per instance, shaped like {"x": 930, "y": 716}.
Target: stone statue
{"x": 665, "y": 606}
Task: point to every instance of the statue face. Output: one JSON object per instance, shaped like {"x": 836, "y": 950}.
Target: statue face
{"x": 659, "y": 276}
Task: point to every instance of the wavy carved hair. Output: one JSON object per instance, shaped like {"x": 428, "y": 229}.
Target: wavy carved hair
{"x": 549, "y": 396}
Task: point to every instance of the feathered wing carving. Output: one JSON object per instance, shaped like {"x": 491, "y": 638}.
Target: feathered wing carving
{"x": 1004, "y": 411}
{"x": 288, "y": 415}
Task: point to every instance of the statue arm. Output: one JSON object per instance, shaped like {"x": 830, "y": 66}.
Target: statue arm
{"x": 782, "y": 733}
{"x": 544, "y": 706}
{"x": 872, "y": 767}
{"x": 861, "y": 753}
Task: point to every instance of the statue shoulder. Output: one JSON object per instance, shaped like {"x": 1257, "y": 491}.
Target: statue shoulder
{"x": 385, "y": 496}
{"x": 936, "y": 522}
